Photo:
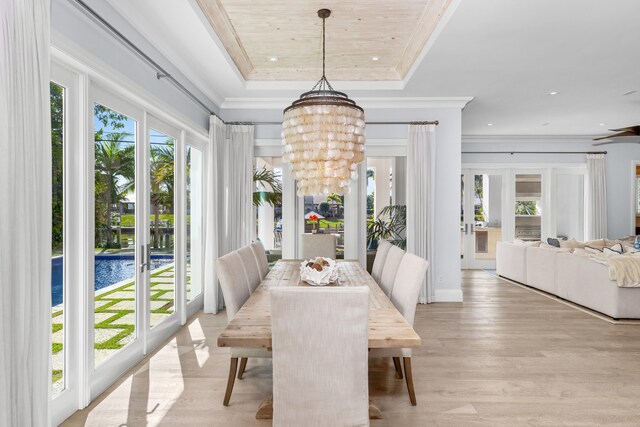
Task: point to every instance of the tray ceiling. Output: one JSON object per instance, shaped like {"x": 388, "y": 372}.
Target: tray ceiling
{"x": 281, "y": 39}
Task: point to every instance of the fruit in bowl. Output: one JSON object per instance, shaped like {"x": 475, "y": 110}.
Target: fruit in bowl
{"x": 319, "y": 271}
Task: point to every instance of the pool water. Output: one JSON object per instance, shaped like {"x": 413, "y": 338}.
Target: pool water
{"x": 109, "y": 269}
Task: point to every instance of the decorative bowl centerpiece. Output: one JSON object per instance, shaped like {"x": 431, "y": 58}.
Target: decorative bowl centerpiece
{"x": 319, "y": 272}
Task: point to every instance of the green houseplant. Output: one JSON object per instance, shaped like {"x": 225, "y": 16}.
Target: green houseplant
{"x": 389, "y": 225}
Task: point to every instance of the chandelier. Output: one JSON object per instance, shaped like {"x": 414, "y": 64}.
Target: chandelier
{"x": 323, "y": 136}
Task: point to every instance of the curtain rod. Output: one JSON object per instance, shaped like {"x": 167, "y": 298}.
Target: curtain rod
{"x": 161, "y": 73}
{"x": 435, "y": 122}
{"x": 534, "y": 152}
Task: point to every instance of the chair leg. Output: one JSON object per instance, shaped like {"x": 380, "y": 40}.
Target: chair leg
{"x": 396, "y": 363}
{"x": 409, "y": 378}
{"x": 233, "y": 367}
{"x": 243, "y": 366}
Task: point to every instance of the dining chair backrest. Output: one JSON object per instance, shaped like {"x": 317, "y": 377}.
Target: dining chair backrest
{"x": 261, "y": 258}
{"x": 318, "y": 245}
{"x": 390, "y": 269}
{"x": 320, "y": 356}
{"x": 250, "y": 265}
{"x": 406, "y": 288}
{"x": 233, "y": 280}
{"x": 378, "y": 262}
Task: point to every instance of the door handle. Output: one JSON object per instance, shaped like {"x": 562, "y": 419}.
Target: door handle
{"x": 143, "y": 264}
{"x": 473, "y": 228}
{"x": 466, "y": 229}
{"x": 148, "y": 256}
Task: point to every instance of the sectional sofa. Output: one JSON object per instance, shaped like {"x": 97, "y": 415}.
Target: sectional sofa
{"x": 570, "y": 276}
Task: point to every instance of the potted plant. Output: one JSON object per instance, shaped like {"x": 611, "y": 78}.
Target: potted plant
{"x": 390, "y": 225}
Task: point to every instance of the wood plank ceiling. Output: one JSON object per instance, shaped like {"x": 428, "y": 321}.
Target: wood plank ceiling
{"x": 281, "y": 39}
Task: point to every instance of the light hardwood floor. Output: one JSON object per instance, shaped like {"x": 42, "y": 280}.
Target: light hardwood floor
{"x": 507, "y": 356}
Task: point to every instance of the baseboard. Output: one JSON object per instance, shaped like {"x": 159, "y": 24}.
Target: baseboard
{"x": 447, "y": 295}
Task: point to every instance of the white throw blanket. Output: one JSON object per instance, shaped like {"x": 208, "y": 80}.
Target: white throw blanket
{"x": 624, "y": 269}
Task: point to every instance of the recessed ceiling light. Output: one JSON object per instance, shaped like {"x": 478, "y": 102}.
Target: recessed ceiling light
{"x": 603, "y": 124}
{"x": 273, "y": 59}
{"x": 489, "y": 124}
{"x": 374, "y": 58}
{"x": 553, "y": 92}
{"x": 545, "y": 124}
{"x": 631, "y": 92}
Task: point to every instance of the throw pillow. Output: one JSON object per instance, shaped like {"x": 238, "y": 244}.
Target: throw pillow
{"x": 553, "y": 242}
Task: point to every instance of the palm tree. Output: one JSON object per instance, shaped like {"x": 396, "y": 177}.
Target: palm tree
{"x": 162, "y": 180}
{"x": 114, "y": 175}
{"x": 267, "y": 179}
{"x": 335, "y": 199}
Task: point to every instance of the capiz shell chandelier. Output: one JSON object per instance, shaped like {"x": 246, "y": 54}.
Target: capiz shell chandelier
{"x": 323, "y": 136}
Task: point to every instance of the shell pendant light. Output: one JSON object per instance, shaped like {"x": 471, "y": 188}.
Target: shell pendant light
{"x": 323, "y": 136}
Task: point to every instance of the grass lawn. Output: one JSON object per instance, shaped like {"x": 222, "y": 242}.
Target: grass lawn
{"x": 333, "y": 223}
{"x": 128, "y": 220}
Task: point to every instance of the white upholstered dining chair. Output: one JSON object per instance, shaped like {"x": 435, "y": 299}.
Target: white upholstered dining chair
{"x": 261, "y": 257}
{"x": 378, "y": 262}
{"x": 390, "y": 269}
{"x": 406, "y": 290}
{"x": 320, "y": 370}
{"x": 319, "y": 245}
{"x": 250, "y": 265}
{"x": 236, "y": 291}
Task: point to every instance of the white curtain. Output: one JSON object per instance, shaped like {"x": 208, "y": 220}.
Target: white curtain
{"x": 25, "y": 216}
{"x": 421, "y": 197}
{"x": 229, "y": 212}
{"x": 596, "y": 197}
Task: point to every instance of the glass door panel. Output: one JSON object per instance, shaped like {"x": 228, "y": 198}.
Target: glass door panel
{"x": 161, "y": 231}
{"x": 195, "y": 193}
{"x": 528, "y": 206}
{"x": 386, "y": 203}
{"x": 482, "y": 211}
{"x": 267, "y": 202}
{"x": 58, "y": 342}
{"x": 114, "y": 260}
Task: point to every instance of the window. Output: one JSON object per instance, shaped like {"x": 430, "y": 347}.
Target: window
{"x": 57, "y": 94}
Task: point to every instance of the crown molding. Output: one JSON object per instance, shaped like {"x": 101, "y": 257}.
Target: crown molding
{"x": 528, "y": 139}
{"x": 371, "y": 103}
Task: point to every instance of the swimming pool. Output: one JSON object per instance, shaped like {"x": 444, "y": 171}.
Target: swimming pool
{"x": 109, "y": 269}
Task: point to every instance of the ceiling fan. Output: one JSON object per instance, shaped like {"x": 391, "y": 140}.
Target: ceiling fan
{"x": 629, "y": 135}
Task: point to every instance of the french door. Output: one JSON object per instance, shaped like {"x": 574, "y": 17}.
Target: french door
{"x": 137, "y": 295}
{"x": 481, "y": 216}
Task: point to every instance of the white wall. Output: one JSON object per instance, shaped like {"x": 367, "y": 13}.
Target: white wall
{"x": 620, "y": 174}
{"x": 68, "y": 23}
{"x": 448, "y": 168}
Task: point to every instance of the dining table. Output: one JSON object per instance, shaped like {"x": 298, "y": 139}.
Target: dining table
{"x": 251, "y": 326}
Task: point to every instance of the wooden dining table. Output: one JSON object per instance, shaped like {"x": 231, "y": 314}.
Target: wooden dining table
{"x": 251, "y": 327}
